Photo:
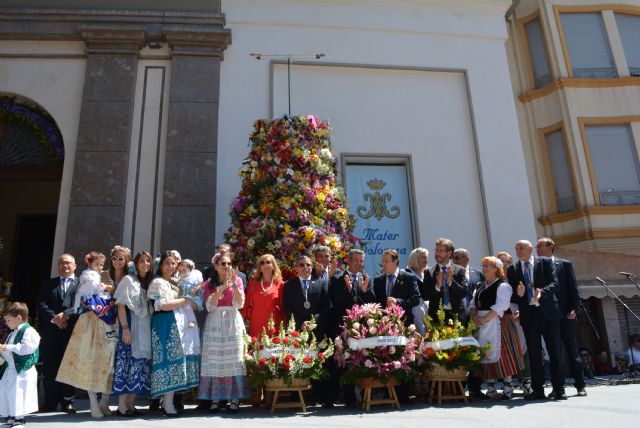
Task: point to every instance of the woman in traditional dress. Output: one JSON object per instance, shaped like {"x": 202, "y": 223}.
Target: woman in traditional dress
{"x": 489, "y": 310}
{"x": 132, "y": 372}
{"x": 523, "y": 375}
{"x": 88, "y": 360}
{"x": 264, "y": 296}
{"x": 175, "y": 346}
{"x": 222, "y": 375}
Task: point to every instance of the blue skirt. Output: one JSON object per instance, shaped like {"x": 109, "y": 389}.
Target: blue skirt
{"x": 223, "y": 388}
{"x": 130, "y": 375}
{"x": 171, "y": 369}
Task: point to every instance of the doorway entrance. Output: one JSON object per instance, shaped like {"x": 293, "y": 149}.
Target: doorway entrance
{"x": 31, "y": 160}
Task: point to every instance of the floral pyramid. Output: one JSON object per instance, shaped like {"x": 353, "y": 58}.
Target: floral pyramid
{"x": 289, "y": 202}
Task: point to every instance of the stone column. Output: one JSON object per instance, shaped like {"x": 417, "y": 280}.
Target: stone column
{"x": 189, "y": 198}
{"x": 96, "y": 211}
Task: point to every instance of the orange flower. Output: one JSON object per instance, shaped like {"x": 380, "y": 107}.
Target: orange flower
{"x": 429, "y": 352}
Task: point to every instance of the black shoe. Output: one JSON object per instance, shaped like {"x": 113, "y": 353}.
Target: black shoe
{"x": 552, "y": 395}
{"x": 164, "y": 413}
{"x": 558, "y": 397}
{"x": 18, "y": 423}
{"x": 535, "y": 395}
{"x": 215, "y": 406}
{"x": 582, "y": 392}
{"x": 478, "y": 396}
{"x": 234, "y": 407}
{"x": 47, "y": 409}
{"x": 126, "y": 414}
{"x": 203, "y": 405}
{"x": 328, "y": 405}
{"x": 155, "y": 404}
{"x": 67, "y": 407}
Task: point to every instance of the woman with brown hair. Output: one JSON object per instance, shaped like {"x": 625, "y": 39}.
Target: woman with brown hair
{"x": 264, "y": 296}
{"x": 132, "y": 372}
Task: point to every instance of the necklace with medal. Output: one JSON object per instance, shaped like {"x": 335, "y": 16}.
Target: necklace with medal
{"x": 307, "y": 303}
{"x": 266, "y": 290}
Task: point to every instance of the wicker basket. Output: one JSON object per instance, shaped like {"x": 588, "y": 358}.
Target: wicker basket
{"x": 442, "y": 373}
{"x": 372, "y": 382}
{"x": 274, "y": 384}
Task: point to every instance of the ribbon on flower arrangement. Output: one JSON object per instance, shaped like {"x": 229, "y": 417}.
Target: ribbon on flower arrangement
{"x": 374, "y": 342}
{"x": 277, "y": 351}
{"x": 441, "y": 345}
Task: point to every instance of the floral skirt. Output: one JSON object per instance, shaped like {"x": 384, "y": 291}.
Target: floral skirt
{"x": 223, "y": 388}
{"x": 88, "y": 360}
{"x": 171, "y": 369}
{"x": 511, "y": 359}
{"x": 130, "y": 375}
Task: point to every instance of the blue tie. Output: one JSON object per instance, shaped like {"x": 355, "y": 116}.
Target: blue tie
{"x": 305, "y": 284}
{"x": 391, "y": 279}
{"x": 527, "y": 280}
{"x": 445, "y": 286}
{"x": 354, "y": 284}
{"x": 469, "y": 293}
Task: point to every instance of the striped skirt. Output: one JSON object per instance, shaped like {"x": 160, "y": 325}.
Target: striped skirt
{"x": 511, "y": 356}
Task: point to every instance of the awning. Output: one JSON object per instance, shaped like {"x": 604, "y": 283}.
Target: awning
{"x": 598, "y": 291}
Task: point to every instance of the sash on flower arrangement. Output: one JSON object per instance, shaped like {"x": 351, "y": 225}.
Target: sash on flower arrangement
{"x": 442, "y": 345}
{"x": 292, "y": 350}
{"x": 374, "y": 342}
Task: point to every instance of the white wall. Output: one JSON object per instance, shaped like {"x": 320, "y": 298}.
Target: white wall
{"x": 31, "y": 70}
{"x": 393, "y": 104}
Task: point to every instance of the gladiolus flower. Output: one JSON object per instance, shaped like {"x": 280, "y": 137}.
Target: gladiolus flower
{"x": 276, "y": 340}
{"x": 307, "y": 359}
{"x": 320, "y": 356}
{"x": 285, "y": 340}
{"x": 262, "y": 362}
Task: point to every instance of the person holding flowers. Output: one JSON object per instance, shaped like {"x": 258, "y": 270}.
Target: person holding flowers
{"x": 264, "y": 296}
{"x": 222, "y": 374}
{"x": 490, "y": 304}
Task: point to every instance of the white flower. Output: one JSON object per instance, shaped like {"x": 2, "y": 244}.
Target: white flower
{"x": 356, "y": 325}
{"x": 396, "y": 364}
{"x": 385, "y": 319}
{"x": 370, "y": 322}
{"x": 368, "y": 364}
{"x": 373, "y": 330}
{"x": 347, "y": 354}
{"x": 412, "y": 357}
{"x": 412, "y": 328}
{"x": 392, "y": 349}
{"x": 338, "y": 342}
{"x": 450, "y": 322}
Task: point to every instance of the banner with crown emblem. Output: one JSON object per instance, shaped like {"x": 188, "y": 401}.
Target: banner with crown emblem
{"x": 379, "y": 199}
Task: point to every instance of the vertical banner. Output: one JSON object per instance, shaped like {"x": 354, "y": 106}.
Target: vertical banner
{"x": 379, "y": 199}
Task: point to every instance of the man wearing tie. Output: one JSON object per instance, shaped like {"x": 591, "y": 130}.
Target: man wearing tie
{"x": 569, "y": 300}
{"x": 306, "y": 299}
{"x": 325, "y": 266}
{"x": 473, "y": 276}
{"x": 57, "y": 318}
{"x": 535, "y": 288}
{"x": 395, "y": 286}
{"x": 446, "y": 283}
{"x": 346, "y": 289}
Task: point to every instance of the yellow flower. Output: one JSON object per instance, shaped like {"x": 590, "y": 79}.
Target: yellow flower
{"x": 287, "y": 229}
{"x": 320, "y": 197}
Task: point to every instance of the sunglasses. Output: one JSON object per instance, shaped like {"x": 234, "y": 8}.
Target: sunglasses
{"x": 225, "y": 263}
{"x": 301, "y": 265}
{"x": 118, "y": 259}
{"x": 265, "y": 262}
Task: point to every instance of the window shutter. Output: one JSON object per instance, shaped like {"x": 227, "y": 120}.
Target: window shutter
{"x": 615, "y": 164}
{"x": 538, "y": 53}
{"x": 629, "y": 28}
{"x": 588, "y": 45}
{"x": 562, "y": 182}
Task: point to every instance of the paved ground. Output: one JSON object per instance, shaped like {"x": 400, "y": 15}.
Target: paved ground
{"x": 605, "y": 405}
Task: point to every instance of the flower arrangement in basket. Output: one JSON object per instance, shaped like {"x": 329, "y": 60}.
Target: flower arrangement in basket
{"x": 448, "y": 345}
{"x": 287, "y": 355}
{"x": 375, "y": 344}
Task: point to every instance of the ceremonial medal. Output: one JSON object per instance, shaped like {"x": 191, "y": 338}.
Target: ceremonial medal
{"x": 307, "y": 304}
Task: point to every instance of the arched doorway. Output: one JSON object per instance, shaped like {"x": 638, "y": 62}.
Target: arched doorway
{"x": 31, "y": 160}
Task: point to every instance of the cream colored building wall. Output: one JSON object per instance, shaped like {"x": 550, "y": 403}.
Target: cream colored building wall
{"x": 604, "y": 228}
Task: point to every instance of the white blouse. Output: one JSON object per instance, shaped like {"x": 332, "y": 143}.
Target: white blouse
{"x": 503, "y": 297}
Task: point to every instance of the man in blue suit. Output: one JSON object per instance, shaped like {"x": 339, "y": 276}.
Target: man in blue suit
{"x": 569, "y": 299}
{"x": 535, "y": 288}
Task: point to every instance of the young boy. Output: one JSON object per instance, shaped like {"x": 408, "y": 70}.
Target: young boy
{"x": 18, "y": 375}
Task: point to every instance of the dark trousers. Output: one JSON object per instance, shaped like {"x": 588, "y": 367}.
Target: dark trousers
{"x": 54, "y": 392}
{"x": 568, "y": 328}
{"x": 535, "y": 327}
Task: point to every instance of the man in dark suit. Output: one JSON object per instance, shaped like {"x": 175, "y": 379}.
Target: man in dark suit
{"x": 569, "y": 300}
{"x": 395, "y": 286}
{"x": 535, "y": 288}
{"x": 325, "y": 266}
{"x": 446, "y": 283}
{"x": 346, "y": 289}
{"x": 308, "y": 299}
{"x": 57, "y": 318}
{"x": 461, "y": 257}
